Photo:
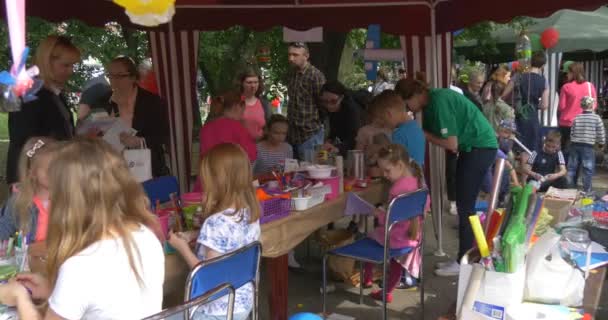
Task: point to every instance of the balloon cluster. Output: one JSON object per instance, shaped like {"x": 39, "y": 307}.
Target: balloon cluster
{"x": 149, "y": 13}
{"x": 18, "y": 85}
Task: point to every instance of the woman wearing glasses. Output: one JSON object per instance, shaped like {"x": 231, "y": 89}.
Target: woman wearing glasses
{"x": 345, "y": 117}
{"x": 50, "y": 115}
{"x": 139, "y": 109}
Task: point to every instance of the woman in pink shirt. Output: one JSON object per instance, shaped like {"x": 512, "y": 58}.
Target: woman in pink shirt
{"x": 570, "y": 98}
{"x": 256, "y": 108}
{"x": 227, "y": 129}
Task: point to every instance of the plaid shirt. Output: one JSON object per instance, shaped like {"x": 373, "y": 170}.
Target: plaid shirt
{"x": 304, "y": 89}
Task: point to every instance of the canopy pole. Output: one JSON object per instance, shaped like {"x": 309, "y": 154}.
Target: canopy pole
{"x": 436, "y": 154}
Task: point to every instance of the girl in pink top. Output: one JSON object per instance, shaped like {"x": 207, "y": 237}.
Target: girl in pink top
{"x": 256, "y": 109}
{"x": 570, "y": 98}
{"x": 227, "y": 129}
{"x": 406, "y": 176}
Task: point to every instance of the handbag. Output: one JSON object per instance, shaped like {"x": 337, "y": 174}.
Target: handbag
{"x": 524, "y": 111}
{"x": 139, "y": 162}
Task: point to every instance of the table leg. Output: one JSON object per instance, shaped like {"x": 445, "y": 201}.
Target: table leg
{"x": 277, "y": 295}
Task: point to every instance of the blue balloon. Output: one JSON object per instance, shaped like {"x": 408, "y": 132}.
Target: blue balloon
{"x": 305, "y": 316}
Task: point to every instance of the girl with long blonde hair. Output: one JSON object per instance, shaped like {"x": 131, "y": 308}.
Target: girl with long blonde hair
{"x": 27, "y": 208}
{"x": 100, "y": 237}
{"x": 232, "y": 221}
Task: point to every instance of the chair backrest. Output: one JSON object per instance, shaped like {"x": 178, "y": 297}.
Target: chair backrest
{"x": 236, "y": 268}
{"x": 406, "y": 206}
{"x": 185, "y": 309}
{"x": 161, "y": 189}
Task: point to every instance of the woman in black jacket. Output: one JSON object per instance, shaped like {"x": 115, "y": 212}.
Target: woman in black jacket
{"x": 138, "y": 109}
{"x": 50, "y": 114}
{"x": 345, "y": 117}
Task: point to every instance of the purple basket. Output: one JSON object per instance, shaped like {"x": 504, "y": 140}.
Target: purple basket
{"x": 274, "y": 209}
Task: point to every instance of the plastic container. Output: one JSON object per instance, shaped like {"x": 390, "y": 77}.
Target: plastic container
{"x": 334, "y": 185}
{"x": 320, "y": 171}
{"x": 192, "y": 198}
{"x": 317, "y": 196}
{"x": 300, "y": 204}
{"x": 274, "y": 209}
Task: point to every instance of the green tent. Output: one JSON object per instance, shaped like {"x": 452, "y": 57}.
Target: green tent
{"x": 582, "y": 34}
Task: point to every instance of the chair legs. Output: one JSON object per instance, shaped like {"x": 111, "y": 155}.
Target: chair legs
{"x": 361, "y": 279}
{"x": 384, "y": 285}
{"x": 324, "y": 284}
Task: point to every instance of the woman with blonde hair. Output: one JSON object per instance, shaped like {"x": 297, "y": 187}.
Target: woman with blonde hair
{"x": 49, "y": 115}
{"x": 105, "y": 260}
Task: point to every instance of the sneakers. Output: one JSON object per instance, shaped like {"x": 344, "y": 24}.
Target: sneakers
{"x": 443, "y": 264}
{"x": 368, "y": 284}
{"x": 377, "y": 295}
{"x": 291, "y": 260}
{"x": 453, "y": 209}
{"x": 449, "y": 270}
{"x": 408, "y": 283}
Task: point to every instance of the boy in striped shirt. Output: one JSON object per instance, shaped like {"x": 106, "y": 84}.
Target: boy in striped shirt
{"x": 587, "y": 131}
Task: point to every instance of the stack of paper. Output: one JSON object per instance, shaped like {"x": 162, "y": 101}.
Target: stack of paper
{"x": 355, "y": 205}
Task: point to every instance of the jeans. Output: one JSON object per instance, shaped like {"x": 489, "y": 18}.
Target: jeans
{"x": 470, "y": 171}
{"x": 565, "y": 132}
{"x": 309, "y": 145}
{"x": 582, "y": 155}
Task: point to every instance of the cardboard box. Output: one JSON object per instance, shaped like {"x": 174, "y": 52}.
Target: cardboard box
{"x": 558, "y": 208}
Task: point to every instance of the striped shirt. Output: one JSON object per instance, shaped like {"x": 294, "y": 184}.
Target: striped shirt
{"x": 303, "y": 109}
{"x": 268, "y": 159}
{"x": 588, "y": 128}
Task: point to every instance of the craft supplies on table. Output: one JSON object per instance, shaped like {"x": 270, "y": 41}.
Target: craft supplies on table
{"x": 314, "y": 197}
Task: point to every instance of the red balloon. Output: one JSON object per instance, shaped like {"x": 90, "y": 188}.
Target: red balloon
{"x": 549, "y": 38}
{"x": 515, "y": 66}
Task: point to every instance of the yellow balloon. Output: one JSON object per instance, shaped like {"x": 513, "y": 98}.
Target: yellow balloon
{"x": 141, "y": 7}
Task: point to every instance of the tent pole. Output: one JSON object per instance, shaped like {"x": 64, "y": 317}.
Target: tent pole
{"x": 437, "y": 154}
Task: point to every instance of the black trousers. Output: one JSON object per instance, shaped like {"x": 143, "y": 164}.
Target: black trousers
{"x": 471, "y": 168}
{"x": 450, "y": 174}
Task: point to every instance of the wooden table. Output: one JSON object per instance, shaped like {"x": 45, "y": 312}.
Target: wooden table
{"x": 593, "y": 290}
{"x": 278, "y": 238}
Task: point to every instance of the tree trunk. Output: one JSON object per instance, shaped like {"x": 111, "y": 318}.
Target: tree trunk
{"x": 326, "y": 55}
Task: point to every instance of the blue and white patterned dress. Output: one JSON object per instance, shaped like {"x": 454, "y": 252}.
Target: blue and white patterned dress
{"x": 225, "y": 232}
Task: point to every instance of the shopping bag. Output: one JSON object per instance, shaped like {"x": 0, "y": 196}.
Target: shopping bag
{"x": 139, "y": 162}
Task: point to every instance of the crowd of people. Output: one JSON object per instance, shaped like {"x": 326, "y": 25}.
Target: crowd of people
{"x": 74, "y": 194}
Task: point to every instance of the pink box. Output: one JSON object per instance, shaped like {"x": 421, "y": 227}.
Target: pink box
{"x": 334, "y": 183}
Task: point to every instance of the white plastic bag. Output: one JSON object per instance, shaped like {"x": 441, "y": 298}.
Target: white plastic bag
{"x": 550, "y": 279}
{"x": 139, "y": 162}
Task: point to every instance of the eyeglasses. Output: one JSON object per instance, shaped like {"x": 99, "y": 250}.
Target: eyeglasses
{"x": 118, "y": 75}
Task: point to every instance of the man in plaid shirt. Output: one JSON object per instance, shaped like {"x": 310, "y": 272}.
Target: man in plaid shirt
{"x": 304, "y": 107}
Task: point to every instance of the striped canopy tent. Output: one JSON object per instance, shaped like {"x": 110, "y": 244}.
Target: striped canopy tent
{"x": 424, "y": 25}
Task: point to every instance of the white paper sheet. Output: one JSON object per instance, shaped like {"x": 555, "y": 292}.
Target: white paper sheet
{"x": 112, "y": 135}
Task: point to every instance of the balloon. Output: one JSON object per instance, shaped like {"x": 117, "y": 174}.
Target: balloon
{"x": 305, "y": 316}
{"x": 514, "y": 65}
{"x": 535, "y": 42}
{"x": 549, "y": 38}
{"x": 149, "y": 13}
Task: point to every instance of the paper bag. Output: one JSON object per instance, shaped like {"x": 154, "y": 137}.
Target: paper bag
{"x": 139, "y": 162}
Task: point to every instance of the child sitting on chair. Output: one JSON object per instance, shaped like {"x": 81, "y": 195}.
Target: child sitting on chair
{"x": 548, "y": 167}
{"x": 232, "y": 222}
{"x": 405, "y": 176}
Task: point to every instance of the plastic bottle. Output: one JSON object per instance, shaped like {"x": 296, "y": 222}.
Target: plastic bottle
{"x": 523, "y": 50}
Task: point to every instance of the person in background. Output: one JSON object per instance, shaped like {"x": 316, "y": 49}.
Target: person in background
{"x": 100, "y": 235}
{"x": 382, "y": 82}
{"x": 452, "y": 122}
{"x": 570, "y": 98}
{"x": 531, "y": 95}
{"x": 473, "y": 87}
{"x": 548, "y": 166}
{"x": 406, "y": 130}
{"x": 402, "y": 74}
{"x": 227, "y": 128}
{"x": 139, "y": 109}
{"x": 95, "y": 96}
{"x": 453, "y": 80}
{"x": 257, "y": 108}
{"x": 345, "y": 117}
{"x": 501, "y": 75}
{"x": 587, "y": 131}
{"x": 495, "y": 109}
{"x": 273, "y": 150}
{"x": 371, "y": 138}
{"x": 49, "y": 115}
{"x": 304, "y": 105}
{"x": 147, "y": 77}
{"x": 27, "y": 209}
{"x": 405, "y": 176}
{"x": 232, "y": 222}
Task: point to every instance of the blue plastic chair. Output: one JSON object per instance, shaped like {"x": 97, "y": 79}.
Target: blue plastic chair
{"x": 403, "y": 207}
{"x": 161, "y": 189}
{"x": 236, "y": 268}
{"x": 183, "y": 311}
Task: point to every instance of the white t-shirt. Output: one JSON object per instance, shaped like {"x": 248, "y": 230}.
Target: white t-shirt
{"x": 98, "y": 282}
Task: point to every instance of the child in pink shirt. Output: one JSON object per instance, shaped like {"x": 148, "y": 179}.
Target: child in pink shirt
{"x": 406, "y": 176}
{"x": 227, "y": 129}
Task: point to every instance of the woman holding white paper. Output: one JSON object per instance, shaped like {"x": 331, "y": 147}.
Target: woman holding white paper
{"x": 141, "y": 110}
